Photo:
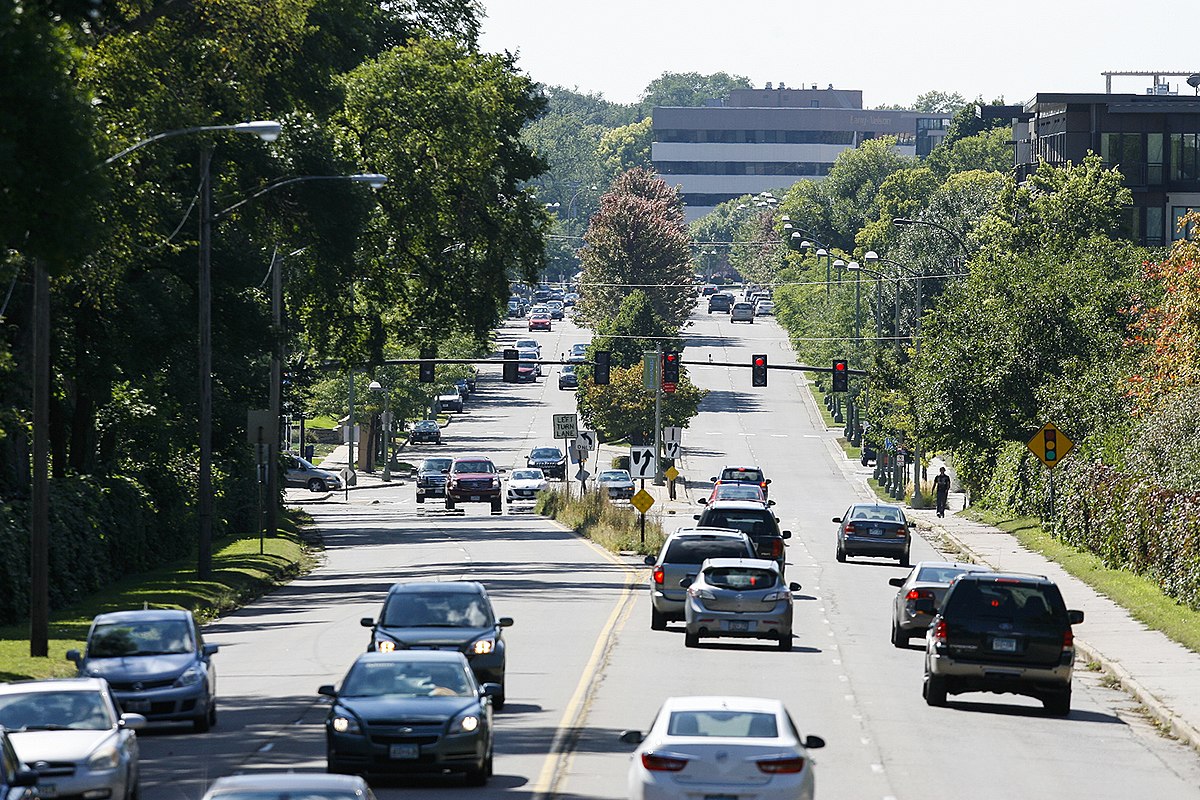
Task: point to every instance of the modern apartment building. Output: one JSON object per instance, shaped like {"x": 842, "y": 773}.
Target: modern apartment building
{"x": 765, "y": 139}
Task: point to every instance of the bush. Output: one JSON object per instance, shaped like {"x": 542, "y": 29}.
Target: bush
{"x": 615, "y": 528}
{"x": 620, "y": 462}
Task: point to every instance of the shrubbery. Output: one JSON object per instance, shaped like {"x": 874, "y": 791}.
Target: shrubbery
{"x": 613, "y": 527}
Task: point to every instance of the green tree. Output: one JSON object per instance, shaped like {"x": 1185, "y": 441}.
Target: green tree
{"x": 624, "y": 408}
{"x": 635, "y": 329}
{"x": 989, "y": 150}
{"x": 936, "y": 101}
{"x": 690, "y": 89}
{"x": 624, "y": 148}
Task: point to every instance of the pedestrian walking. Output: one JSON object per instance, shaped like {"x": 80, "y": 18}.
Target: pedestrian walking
{"x": 941, "y": 489}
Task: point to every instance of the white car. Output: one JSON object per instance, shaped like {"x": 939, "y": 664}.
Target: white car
{"x": 721, "y": 747}
{"x": 524, "y": 485}
{"x": 764, "y": 308}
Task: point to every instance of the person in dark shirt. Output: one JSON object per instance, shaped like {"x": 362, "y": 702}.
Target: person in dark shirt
{"x": 941, "y": 488}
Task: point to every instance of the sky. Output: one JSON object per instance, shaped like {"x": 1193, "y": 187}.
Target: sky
{"x": 893, "y": 51}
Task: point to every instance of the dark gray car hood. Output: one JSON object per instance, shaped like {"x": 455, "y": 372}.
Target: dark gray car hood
{"x": 435, "y": 638}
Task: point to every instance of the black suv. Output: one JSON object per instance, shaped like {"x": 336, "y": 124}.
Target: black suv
{"x": 550, "y": 460}
{"x": 1002, "y": 633}
{"x": 751, "y": 518}
{"x": 720, "y": 302}
{"x": 431, "y": 478}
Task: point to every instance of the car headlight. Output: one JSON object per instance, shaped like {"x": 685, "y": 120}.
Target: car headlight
{"x": 496, "y": 483}
{"x": 385, "y": 646}
{"x": 467, "y": 722}
{"x": 106, "y": 757}
{"x": 344, "y": 722}
{"x": 190, "y": 677}
{"x": 483, "y": 646}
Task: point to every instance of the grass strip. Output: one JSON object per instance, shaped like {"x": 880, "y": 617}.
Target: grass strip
{"x": 1137, "y": 594}
{"x": 239, "y": 574}
{"x": 615, "y": 528}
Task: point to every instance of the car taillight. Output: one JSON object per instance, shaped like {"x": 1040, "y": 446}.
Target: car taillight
{"x": 658, "y": 575}
{"x": 1068, "y": 639}
{"x": 781, "y": 766}
{"x": 763, "y": 484}
{"x": 657, "y": 763}
{"x": 849, "y": 527}
{"x": 917, "y": 594}
{"x": 777, "y": 548}
{"x": 939, "y": 632}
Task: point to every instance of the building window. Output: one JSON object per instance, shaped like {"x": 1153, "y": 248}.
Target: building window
{"x": 1154, "y": 164}
{"x": 1126, "y": 152}
{"x": 1154, "y": 226}
{"x": 1177, "y": 215}
{"x": 1184, "y": 150}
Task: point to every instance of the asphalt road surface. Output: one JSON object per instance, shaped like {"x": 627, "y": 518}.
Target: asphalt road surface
{"x": 583, "y": 663}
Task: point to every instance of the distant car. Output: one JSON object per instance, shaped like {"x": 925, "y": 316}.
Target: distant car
{"x": 680, "y": 557}
{"x": 531, "y": 356}
{"x": 721, "y": 747}
{"x": 708, "y": 290}
{"x": 73, "y": 733}
{"x": 540, "y": 308}
{"x": 473, "y": 479}
{"x": 528, "y": 344}
{"x": 568, "y": 378}
{"x": 616, "y": 483}
{"x": 444, "y": 615}
{"x": 277, "y": 785}
{"x": 431, "y": 478}
{"x": 570, "y": 299}
{"x": 736, "y": 491}
{"x": 764, "y": 308}
{"x": 742, "y": 312}
{"x": 156, "y": 662}
{"x": 549, "y": 459}
{"x": 868, "y": 454}
{"x": 739, "y": 597}
{"x": 433, "y": 694}
{"x": 578, "y": 352}
{"x": 450, "y": 402}
{"x": 928, "y": 580}
{"x": 17, "y": 779}
{"x": 540, "y": 321}
{"x": 524, "y": 484}
{"x": 427, "y": 430}
{"x": 301, "y": 473}
{"x": 719, "y": 302}
{"x": 752, "y": 518}
{"x": 462, "y": 387}
{"x": 516, "y": 309}
{"x": 736, "y": 474}
{"x": 556, "y": 309}
{"x": 874, "y": 529}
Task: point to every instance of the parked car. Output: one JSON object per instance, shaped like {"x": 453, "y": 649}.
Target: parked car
{"x": 516, "y": 307}
{"x": 616, "y": 483}
{"x": 447, "y": 716}
{"x": 1002, "y": 633}
{"x": 540, "y": 321}
{"x": 868, "y": 454}
{"x": 72, "y": 731}
{"x": 473, "y": 479}
{"x": 427, "y": 430}
{"x": 444, "y": 615}
{"x": 450, "y": 402}
{"x": 549, "y": 459}
{"x": 570, "y": 299}
{"x": 742, "y": 312}
{"x": 278, "y": 785}
{"x": 721, "y": 747}
{"x": 736, "y": 474}
{"x": 720, "y": 302}
{"x": 739, "y": 597}
{"x": 928, "y": 580}
{"x": 680, "y": 557}
{"x": 301, "y": 473}
{"x": 431, "y": 478}
{"x": 568, "y": 378}
{"x": 752, "y": 518}
{"x": 156, "y": 662}
{"x": 874, "y": 529}
{"x": 524, "y": 485}
{"x": 463, "y": 388}
{"x": 17, "y": 779}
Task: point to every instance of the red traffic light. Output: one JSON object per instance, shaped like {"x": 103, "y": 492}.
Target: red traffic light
{"x": 670, "y": 356}
{"x": 758, "y": 362}
{"x": 839, "y": 366}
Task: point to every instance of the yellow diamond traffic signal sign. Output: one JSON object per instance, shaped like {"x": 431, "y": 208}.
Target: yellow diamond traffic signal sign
{"x": 671, "y": 473}
{"x": 1049, "y": 444}
{"x": 642, "y": 501}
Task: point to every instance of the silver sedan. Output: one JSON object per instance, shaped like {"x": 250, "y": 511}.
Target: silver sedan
{"x": 928, "y": 580}
{"x": 739, "y": 597}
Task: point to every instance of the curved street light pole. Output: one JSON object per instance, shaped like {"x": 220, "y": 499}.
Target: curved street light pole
{"x": 905, "y": 222}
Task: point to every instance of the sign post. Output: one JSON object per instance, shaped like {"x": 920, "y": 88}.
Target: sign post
{"x": 642, "y": 502}
{"x": 566, "y": 427}
{"x": 1050, "y": 444}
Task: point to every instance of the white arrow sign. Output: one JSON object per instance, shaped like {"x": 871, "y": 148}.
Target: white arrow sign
{"x": 641, "y": 461}
{"x": 587, "y": 439}
{"x": 673, "y": 435}
{"x": 670, "y": 449}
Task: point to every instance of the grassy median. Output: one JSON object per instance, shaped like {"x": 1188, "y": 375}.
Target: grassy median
{"x": 240, "y": 574}
{"x": 615, "y": 528}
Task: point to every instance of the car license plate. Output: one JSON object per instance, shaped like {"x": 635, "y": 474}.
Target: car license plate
{"x": 47, "y": 789}
{"x": 136, "y": 706}
{"x": 1004, "y": 645}
{"x": 720, "y": 797}
{"x": 399, "y": 752}
{"x": 876, "y": 531}
{"x": 739, "y": 625}
{"x": 475, "y": 498}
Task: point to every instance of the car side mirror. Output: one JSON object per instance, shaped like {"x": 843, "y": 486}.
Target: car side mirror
{"x": 837, "y": 520}
{"x": 912, "y": 523}
{"x": 713, "y": 479}
{"x": 896, "y": 581}
{"x": 1074, "y": 617}
{"x": 924, "y": 605}
{"x": 786, "y": 534}
{"x": 73, "y": 655}
{"x": 768, "y": 480}
{"x": 211, "y": 649}
{"x": 502, "y": 471}
{"x": 328, "y": 690}
{"x": 367, "y": 622}
{"x": 632, "y": 737}
{"x": 505, "y": 622}
{"x": 133, "y": 722}
{"x": 794, "y": 587}
{"x": 686, "y": 582}
{"x": 770, "y": 503}
{"x": 492, "y": 690}
{"x": 25, "y": 777}
{"x": 649, "y": 561}
{"x": 703, "y": 501}
{"x": 445, "y": 472}
{"x": 695, "y": 516}
{"x": 813, "y": 742}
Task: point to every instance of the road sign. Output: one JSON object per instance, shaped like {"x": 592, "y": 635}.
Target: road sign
{"x": 259, "y": 426}
{"x": 670, "y": 449}
{"x": 587, "y": 439}
{"x": 1049, "y": 444}
{"x": 642, "y": 501}
{"x": 566, "y": 426}
{"x": 577, "y": 452}
{"x": 641, "y": 461}
{"x": 671, "y": 473}
{"x": 669, "y": 387}
{"x": 673, "y": 433}
{"x": 650, "y": 365}
{"x": 582, "y": 475}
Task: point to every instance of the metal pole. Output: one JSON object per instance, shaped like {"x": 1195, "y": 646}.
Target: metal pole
{"x": 658, "y": 393}
{"x": 896, "y": 323}
{"x": 276, "y": 390}
{"x": 387, "y": 437}
{"x": 917, "y": 500}
{"x": 828, "y": 268}
{"x": 39, "y": 513}
{"x": 204, "y": 301}
{"x": 350, "y": 434}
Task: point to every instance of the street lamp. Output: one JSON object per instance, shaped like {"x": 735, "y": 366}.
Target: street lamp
{"x": 376, "y": 386}
{"x": 905, "y": 222}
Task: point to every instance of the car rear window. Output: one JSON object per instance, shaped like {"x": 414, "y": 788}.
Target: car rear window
{"x": 877, "y": 513}
{"x": 940, "y": 574}
{"x": 1003, "y": 600}
{"x": 735, "y": 491}
{"x": 739, "y": 578}
{"x": 697, "y": 551}
{"x": 736, "y": 724}
{"x": 743, "y": 475}
{"x": 754, "y": 522}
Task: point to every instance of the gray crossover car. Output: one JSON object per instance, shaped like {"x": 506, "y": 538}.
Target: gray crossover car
{"x": 681, "y": 556}
{"x": 273, "y": 785}
{"x": 928, "y": 580}
{"x": 874, "y": 529}
{"x": 739, "y": 597}
{"x": 156, "y": 662}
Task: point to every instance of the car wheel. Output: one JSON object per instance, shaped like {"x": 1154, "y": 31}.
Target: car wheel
{"x": 449, "y": 504}
{"x": 785, "y": 641}
{"x": 841, "y": 554}
{"x": 479, "y": 776}
{"x": 420, "y": 498}
{"x": 658, "y": 620}
{"x": 935, "y": 690}
{"x": 132, "y": 790}
{"x": 691, "y": 639}
{"x": 316, "y": 485}
{"x": 201, "y": 723}
{"x": 212, "y": 712}
{"x": 899, "y": 637}
{"x": 904, "y": 560}
{"x": 497, "y": 506}
{"x": 336, "y": 767}
{"x": 1059, "y": 703}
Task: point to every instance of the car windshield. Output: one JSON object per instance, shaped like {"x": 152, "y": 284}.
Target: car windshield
{"x": 407, "y": 679}
{"x": 527, "y": 344}
{"x": 579, "y": 349}
{"x": 568, "y": 369}
{"x": 527, "y": 475}
{"x": 614, "y": 475}
{"x": 474, "y": 466}
{"x": 697, "y": 551}
{"x": 436, "y": 610}
{"x": 754, "y": 522}
{"x": 435, "y": 464}
{"x": 743, "y": 475}
{"x": 546, "y": 452}
{"x": 1014, "y": 600}
{"x": 940, "y": 574}
{"x": 736, "y": 724}
{"x": 152, "y": 638}
{"x": 739, "y": 578}
{"x": 878, "y": 514}
{"x": 55, "y": 710}
{"x": 426, "y": 425}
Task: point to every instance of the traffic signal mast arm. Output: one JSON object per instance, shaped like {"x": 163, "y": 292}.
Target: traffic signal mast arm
{"x": 747, "y": 365}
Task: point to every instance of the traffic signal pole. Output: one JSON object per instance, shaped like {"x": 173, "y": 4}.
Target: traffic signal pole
{"x": 658, "y": 393}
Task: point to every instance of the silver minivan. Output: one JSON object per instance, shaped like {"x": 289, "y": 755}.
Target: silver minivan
{"x": 742, "y": 312}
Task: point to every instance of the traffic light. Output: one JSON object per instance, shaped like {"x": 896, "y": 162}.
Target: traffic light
{"x": 1050, "y": 443}
{"x": 670, "y": 370}
{"x": 510, "y": 365}
{"x": 600, "y": 370}
{"x": 841, "y": 378}
{"x": 425, "y": 370}
{"x": 758, "y": 366}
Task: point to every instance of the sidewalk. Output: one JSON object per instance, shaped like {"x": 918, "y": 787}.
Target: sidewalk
{"x": 670, "y": 513}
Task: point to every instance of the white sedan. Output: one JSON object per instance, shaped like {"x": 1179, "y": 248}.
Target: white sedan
{"x": 721, "y": 747}
{"x": 524, "y": 485}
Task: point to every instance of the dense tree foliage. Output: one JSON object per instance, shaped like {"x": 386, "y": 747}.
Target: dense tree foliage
{"x": 690, "y": 89}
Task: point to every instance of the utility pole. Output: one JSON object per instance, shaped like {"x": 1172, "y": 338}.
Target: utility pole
{"x": 39, "y": 529}
{"x": 275, "y": 391}
{"x": 204, "y": 301}
{"x": 658, "y": 393}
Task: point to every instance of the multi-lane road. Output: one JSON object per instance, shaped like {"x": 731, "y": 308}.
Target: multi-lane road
{"x": 583, "y": 662}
